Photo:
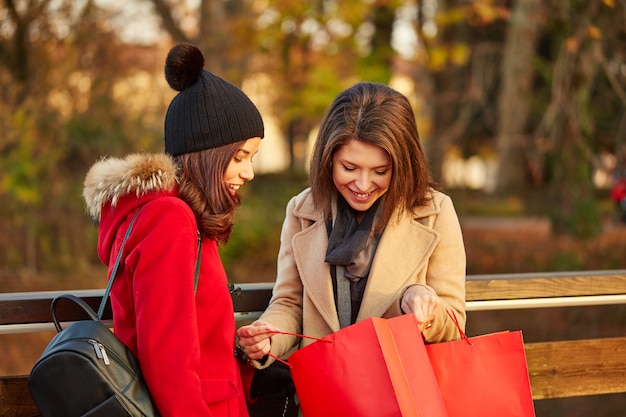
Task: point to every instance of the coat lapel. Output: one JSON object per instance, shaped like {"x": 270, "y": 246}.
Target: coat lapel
{"x": 404, "y": 248}
{"x": 309, "y": 250}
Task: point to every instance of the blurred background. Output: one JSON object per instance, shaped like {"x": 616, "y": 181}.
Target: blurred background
{"x": 521, "y": 106}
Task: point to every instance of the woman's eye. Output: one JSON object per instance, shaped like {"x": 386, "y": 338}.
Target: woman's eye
{"x": 381, "y": 172}
{"x": 348, "y": 168}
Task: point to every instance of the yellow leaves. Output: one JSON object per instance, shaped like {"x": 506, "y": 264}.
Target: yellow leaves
{"x": 456, "y": 54}
{"x": 484, "y": 12}
{"x": 20, "y": 178}
{"x": 20, "y": 191}
{"x": 609, "y": 3}
{"x": 477, "y": 13}
{"x": 459, "y": 54}
{"x": 437, "y": 58}
{"x": 594, "y": 32}
{"x": 572, "y": 44}
{"x": 450, "y": 17}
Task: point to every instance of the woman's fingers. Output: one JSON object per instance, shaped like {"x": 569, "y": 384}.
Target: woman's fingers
{"x": 255, "y": 339}
{"x": 422, "y": 303}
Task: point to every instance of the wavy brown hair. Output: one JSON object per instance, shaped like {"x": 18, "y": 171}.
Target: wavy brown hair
{"x": 375, "y": 114}
{"x": 202, "y": 187}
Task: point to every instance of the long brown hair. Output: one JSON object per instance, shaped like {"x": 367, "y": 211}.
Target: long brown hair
{"x": 202, "y": 187}
{"x": 375, "y": 114}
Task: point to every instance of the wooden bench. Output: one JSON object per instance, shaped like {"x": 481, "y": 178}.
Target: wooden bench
{"x": 560, "y": 366}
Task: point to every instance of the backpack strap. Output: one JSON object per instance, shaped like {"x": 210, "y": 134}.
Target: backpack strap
{"x": 107, "y": 292}
{"x": 198, "y": 259}
{"x": 105, "y": 297}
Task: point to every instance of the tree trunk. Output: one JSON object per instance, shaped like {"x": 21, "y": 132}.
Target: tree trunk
{"x": 574, "y": 77}
{"x": 514, "y": 99}
{"x": 212, "y": 39}
{"x": 446, "y": 87}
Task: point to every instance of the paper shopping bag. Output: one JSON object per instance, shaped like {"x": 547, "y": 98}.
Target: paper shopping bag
{"x": 483, "y": 376}
{"x": 374, "y": 368}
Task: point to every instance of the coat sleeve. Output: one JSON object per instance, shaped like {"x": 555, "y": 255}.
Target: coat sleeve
{"x": 446, "y": 274}
{"x": 285, "y": 309}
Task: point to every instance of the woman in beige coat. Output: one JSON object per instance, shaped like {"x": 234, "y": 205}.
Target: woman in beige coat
{"x": 371, "y": 237}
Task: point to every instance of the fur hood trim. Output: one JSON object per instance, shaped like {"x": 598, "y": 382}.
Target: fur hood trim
{"x": 112, "y": 178}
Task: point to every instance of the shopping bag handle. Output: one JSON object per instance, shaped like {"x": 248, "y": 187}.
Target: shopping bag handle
{"x": 296, "y": 335}
{"x": 451, "y": 314}
{"x": 454, "y": 318}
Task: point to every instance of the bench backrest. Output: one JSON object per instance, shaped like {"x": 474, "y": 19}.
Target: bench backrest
{"x": 557, "y": 369}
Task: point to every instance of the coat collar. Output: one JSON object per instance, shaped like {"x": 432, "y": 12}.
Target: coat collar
{"x": 393, "y": 268}
{"x": 110, "y": 179}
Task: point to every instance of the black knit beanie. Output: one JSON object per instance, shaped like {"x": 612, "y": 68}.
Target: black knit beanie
{"x": 208, "y": 111}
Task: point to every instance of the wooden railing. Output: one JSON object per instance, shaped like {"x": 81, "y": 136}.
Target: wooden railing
{"x": 560, "y": 366}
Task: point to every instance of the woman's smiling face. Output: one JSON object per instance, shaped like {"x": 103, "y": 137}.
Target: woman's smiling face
{"x": 240, "y": 168}
{"x": 361, "y": 173}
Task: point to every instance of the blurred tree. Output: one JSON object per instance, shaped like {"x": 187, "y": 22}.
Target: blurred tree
{"x": 461, "y": 53}
{"x": 309, "y": 49}
{"x": 29, "y": 153}
{"x": 61, "y": 66}
{"x": 72, "y": 89}
{"x": 224, "y": 30}
{"x": 515, "y": 94}
{"x": 314, "y": 50}
{"x": 533, "y": 88}
{"x": 323, "y": 48}
{"x": 567, "y": 129}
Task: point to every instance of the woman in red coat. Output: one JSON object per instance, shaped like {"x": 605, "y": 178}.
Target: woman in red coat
{"x": 618, "y": 194}
{"x": 183, "y": 334}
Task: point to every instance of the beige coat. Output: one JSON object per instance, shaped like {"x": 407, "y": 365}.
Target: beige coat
{"x": 424, "y": 248}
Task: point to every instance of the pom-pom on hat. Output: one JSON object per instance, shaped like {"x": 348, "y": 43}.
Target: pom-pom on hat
{"x": 208, "y": 111}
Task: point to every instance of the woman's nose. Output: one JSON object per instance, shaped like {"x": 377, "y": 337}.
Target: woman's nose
{"x": 363, "y": 182}
{"x": 247, "y": 173}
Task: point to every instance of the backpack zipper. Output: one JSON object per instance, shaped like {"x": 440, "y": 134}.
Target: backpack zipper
{"x": 101, "y": 352}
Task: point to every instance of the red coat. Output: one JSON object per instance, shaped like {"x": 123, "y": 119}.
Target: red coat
{"x": 184, "y": 342}
{"x": 618, "y": 192}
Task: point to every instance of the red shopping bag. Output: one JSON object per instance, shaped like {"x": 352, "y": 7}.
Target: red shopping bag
{"x": 374, "y": 368}
{"x": 483, "y": 376}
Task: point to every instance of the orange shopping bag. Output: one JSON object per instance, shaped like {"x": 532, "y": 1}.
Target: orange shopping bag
{"x": 374, "y": 368}
{"x": 483, "y": 376}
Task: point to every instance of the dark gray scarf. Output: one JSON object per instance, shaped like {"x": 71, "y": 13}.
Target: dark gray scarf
{"x": 352, "y": 244}
{"x": 351, "y": 249}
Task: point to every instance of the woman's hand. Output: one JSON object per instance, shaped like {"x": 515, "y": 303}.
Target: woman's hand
{"x": 255, "y": 339}
{"x": 422, "y": 302}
